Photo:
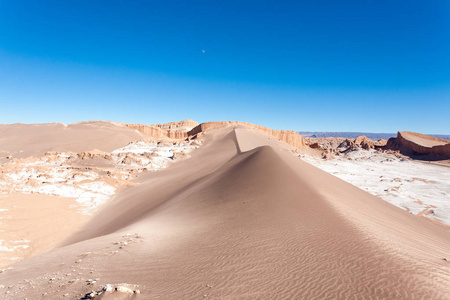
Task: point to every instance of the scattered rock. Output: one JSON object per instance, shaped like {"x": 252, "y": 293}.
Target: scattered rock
{"x": 108, "y": 288}
{"x": 124, "y": 289}
{"x": 315, "y": 146}
{"x": 90, "y": 281}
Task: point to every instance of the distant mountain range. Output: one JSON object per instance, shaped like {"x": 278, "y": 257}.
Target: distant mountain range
{"x": 352, "y": 135}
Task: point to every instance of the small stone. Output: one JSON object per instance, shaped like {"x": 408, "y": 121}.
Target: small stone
{"x": 124, "y": 289}
{"x": 108, "y": 288}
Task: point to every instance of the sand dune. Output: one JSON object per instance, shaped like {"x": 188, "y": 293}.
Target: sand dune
{"x": 243, "y": 219}
{"x": 41, "y": 186}
{"x": 24, "y": 140}
{"x": 34, "y": 223}
{"x": 420, "y": 188}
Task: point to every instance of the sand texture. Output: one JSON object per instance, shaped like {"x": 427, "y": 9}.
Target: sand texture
{"x": 36, "y": 139}
{"x": 418, "y": 187}
{"x": 31, "y": 224}
{"x": 243, "y": 218}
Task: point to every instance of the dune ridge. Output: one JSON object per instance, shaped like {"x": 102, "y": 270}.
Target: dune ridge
{"x": 106, "y": 136}
{"x": 188, "y": 128}
{"x": 288, "y": 136}
{"x": 244, "y": 218}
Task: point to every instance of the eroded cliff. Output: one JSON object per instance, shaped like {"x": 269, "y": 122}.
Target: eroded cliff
{"x": 290, "y": 137}
{"x": 423, "y": 144}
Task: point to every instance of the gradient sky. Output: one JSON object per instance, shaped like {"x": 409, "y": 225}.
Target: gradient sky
{"x": 376, "y": 66}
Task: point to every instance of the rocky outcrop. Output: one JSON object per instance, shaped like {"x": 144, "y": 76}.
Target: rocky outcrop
{"x": 290, "y": 137}
{"x": 333, "y": 143}
{"x": 392, "y": 144}
{"x": 172, "y": 130}
{"x": 421, "y": 143}
{"x": 188, "y": 128}
{"x": 366, "y": 143}
{"x": 335, "y": 146}
{"x": 155, "y": 131}
{"x": 184, "y": 125}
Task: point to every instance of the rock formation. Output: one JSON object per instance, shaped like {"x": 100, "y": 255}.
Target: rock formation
{"x": 413, "y": 144}
{"x": 172, "y": 130}
{"x": 424, "y": 144}
{"x": 185, "y": 129}
{"x": 155, "y": 131}
{"x": 335, "y": 145}
{"x": 184, "y": 125}
{"x": 366, "y": 143}
{"x": 290, "y": 137}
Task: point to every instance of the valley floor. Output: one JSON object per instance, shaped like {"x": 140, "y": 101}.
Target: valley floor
{"x": 419, "y": 187}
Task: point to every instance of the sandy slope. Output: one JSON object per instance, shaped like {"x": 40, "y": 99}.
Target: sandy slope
{"x": 36, "y": 139}
{"x": 420, "y": 188}
{"x": 31, "y": 224}
{"x": 244, "y": 219}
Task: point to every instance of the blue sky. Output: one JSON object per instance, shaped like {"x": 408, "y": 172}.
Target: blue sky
{"x": 377, "y": 66}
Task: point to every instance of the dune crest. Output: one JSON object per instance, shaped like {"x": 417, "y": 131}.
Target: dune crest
{"x": 288, "y": 136}
{"x": 188, "y": 128}
{"x": 244, "y": 218}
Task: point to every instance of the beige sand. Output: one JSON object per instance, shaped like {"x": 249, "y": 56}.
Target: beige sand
{"x": 243, "y": 219}
{"x": 424, "y": 140}
{"x": 32, "y": 224}
{"x": 23, "y": 140}
{"x": 420, "y": 188}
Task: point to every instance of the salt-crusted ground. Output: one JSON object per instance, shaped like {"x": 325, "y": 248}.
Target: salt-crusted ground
{"x": 89, "y": 177}
{"x": 418, "y": 187}
{"x": 242, "y": 219}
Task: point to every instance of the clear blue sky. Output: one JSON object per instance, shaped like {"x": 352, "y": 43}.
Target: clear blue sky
{"x": 377, "y": 66}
